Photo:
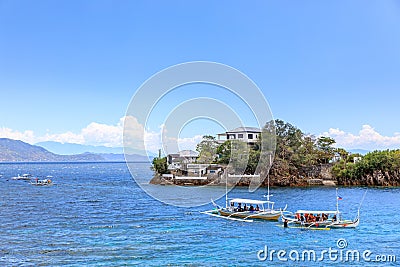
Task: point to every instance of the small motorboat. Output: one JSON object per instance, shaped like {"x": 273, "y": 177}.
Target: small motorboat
{"x": 45, "y": 182}
{"x": 25, "y": 176}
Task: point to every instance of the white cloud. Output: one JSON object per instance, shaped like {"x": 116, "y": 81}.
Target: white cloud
{"x": 68, "y": 137}
{"x": 107, "y": 135}
{"x": 367, "y": 138}
{"x": 134, "y": 134}
{"x": 27, "y": 136}
{"x": 189, "y": 142}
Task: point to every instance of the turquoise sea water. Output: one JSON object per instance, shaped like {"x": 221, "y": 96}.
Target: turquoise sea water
{"x": 96, "y": 215}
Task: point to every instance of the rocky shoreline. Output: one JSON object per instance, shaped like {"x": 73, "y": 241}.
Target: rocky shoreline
{"x": 219, "y": 181}
{"x": 378, "y": 178}
{"x": 320, "y": 175}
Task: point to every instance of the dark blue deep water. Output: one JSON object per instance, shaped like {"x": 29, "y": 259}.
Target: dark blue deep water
{"x": 96, "y": 215}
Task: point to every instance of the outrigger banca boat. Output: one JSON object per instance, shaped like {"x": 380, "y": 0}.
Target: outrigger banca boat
{"x": 45, "y": 182}
{"x": 321, "y": 219}
{"x": 251, "y": 209}
{"x": 22, "y": 177}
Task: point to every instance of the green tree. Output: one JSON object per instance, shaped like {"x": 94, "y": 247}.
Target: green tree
{"x": 307, "y": 153}
{"x": 288, "y": 139}
{"x": 160, "y": 165}
{"x": 340, "y": 166}
{"x": 224, "y": 152}
{"x": 267, "y": 139}
{"x": 207, "y": 149}
{"x": 254, "y": 157}
{"x": 238, "y": 155}
{"x": 343, "y": 154}
{"x": 324, "y": 144}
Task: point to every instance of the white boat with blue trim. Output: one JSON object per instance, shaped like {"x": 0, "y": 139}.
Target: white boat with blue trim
{"x": 321, "y": 219}
{"x": 247, "y": 210}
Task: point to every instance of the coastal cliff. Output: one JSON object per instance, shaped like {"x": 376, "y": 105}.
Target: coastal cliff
{"x": 377, "y": 178}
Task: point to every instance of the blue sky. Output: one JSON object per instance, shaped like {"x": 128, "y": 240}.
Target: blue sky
{"x": 321, "y": 65}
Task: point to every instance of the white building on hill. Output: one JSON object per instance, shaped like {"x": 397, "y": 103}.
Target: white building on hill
{"x": 249, "y": 135}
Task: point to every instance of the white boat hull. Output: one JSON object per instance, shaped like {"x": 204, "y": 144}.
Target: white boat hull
{"x": 323, "y": 224}
{"x": 261, "y": 215}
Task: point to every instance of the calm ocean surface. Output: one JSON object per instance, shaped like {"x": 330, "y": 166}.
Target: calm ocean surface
{"x": 96, "y": 215}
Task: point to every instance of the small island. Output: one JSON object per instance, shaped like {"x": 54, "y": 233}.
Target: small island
{"x": 300, "y": 160}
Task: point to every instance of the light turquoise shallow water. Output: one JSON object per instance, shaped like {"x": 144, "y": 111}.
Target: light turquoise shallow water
{"x": 96, "y": 215}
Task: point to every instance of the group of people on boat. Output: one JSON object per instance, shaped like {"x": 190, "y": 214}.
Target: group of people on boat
{"x": 239, "y": 208}
{"x": 42, "y": 182}
{"x": 310, "y": 218}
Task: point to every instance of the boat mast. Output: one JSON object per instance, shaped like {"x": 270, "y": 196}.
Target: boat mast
{"x": 226, "y": 190}
{"x": 270, "y": 165}
{"x": 270, "y": 158}
{"x": 337, "y": 201}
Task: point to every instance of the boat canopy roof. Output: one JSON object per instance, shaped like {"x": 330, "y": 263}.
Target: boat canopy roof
{"x": 317, "y": 211}
{"x": 249, "y": 201}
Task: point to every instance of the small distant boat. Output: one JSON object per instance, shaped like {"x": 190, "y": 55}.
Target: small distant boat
{"x": 22, "y": 177}
{"x": 45, "y": 182}
{"x": 320, "y": 219}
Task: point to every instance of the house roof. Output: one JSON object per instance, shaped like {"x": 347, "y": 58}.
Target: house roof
{"x": 245, "y": 129}
{"x": 188, "y": 153}
{"x": 179, "y": 159}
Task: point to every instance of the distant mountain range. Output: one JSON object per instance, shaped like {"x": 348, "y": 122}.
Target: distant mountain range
{"x": 18, "y": 151}
{"x": 72, "y": 149}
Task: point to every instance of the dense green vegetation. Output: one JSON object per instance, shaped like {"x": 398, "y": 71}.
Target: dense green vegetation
{"x": 385, "y": 161}
{"x": 294, "y": 149}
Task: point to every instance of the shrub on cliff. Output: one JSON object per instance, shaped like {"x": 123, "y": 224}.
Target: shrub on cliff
{"x": 160, "y": 165}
